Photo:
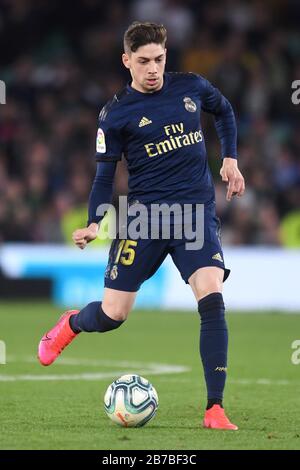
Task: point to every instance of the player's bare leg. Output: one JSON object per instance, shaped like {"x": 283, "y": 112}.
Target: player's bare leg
{"x": 206, "y": 281}
{"x": 117, "y": 303}
{"x": 96, "y": 316}
{"x": 206, "y": 284}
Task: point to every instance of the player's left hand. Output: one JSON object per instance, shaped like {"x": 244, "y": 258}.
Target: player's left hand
{"x": 232, "y": 175}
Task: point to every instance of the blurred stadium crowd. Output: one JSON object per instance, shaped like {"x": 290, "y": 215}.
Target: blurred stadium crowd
{"x": 60, "y": 61}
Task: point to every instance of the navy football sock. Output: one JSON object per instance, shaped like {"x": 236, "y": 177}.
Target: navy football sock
{"x": 93, "y": 318}
{"x": 213, "y": 345}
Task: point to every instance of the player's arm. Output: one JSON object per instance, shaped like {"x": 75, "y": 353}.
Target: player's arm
{"x": 101, "y": 193}
{"x": 109, "y": 150}
{"x": 214, "y": 102}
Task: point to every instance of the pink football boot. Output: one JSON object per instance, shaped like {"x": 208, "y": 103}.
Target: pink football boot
{"x": 56, "y": 339}
{"x": 215, "y": 418}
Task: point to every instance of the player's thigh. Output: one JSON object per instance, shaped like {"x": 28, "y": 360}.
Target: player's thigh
{"x": 202, "y": 266}
{"x": 117, "y": 304}
{"x": 206, "y": 280}
{"x": 131, "y": 262}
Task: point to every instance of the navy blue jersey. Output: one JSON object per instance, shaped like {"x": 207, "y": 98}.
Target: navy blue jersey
{"x": 162, "y": 140}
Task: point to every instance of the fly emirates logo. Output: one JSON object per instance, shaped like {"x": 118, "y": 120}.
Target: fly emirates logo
{"x": 176, "y": 138}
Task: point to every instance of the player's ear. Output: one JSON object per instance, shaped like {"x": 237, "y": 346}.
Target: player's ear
{"x": 126, "y": 60}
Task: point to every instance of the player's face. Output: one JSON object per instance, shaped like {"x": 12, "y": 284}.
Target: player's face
{"x": 147, "y": 66}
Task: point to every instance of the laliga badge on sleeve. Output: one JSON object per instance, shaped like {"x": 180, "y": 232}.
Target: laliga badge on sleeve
{"x": 100, "y": 141}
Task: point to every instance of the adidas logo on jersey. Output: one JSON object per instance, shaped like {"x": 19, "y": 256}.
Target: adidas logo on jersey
{"x": 218, "y": 257}
{"x": 144, "y": 122}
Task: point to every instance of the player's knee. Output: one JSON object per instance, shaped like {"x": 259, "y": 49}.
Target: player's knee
{"x": 210, "y": 286}
{"x": 119, "y": 314}
{"x": 116, "y": 311}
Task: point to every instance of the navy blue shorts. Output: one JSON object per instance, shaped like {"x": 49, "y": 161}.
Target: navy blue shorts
{"x": 131, "y": 262}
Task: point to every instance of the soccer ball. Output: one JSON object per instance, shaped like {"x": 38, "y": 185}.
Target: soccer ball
{"x": 131, "y": 401}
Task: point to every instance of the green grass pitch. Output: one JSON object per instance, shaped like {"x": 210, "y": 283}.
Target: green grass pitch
{"x": 61, "y": 406}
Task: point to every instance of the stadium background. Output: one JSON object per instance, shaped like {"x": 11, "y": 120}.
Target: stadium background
{"x": 60, "y": 62}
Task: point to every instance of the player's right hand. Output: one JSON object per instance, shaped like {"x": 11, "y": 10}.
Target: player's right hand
{"x": 82, "y": 236}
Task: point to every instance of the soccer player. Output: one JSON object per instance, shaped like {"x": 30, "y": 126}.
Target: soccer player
{"x": 155, "y": 123}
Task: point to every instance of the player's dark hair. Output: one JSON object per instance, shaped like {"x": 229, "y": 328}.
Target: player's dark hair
{"x": 139, "y": 34}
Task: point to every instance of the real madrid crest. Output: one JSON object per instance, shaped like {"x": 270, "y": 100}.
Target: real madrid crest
{"x": 189, "y": 104}
{"x": 114, "y": 272}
